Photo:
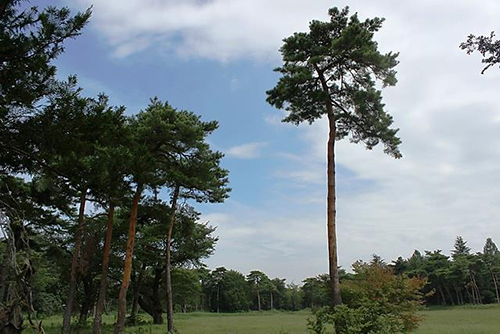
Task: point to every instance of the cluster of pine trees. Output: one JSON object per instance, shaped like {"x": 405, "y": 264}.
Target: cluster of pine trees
{"x": 91, "y": 199}
{"x": 462, "y": 278}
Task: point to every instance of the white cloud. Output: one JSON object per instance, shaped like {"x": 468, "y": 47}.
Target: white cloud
{"x": 280, "y": 244}
{"x": 216, "y": 29}
{"x": 246, "y": 151}
{"x": 232, "y": 29}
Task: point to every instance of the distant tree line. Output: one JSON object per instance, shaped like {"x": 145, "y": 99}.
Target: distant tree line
{"x": 462, "y": 278}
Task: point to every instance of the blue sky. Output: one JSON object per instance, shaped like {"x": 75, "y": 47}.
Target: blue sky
{"x": 215, "y": 58}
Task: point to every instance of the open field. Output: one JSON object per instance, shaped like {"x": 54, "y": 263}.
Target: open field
{"x": 458, "y": 320}
{"x": 483, "y": 319}
{"x": 210, "y": 323}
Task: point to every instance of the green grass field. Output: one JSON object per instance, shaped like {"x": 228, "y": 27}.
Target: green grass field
{"x": 458, "y": 320}
{"x": 484, "y": 319}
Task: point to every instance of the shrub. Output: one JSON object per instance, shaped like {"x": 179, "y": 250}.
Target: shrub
{"x": 48, "y": 303}
{"x": 376, "y": 302}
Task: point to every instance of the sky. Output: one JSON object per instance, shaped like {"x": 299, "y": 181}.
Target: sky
{"x": 216, "y": 58}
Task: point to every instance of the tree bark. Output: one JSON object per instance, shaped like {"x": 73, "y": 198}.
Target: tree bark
{"x": 478, "y": 294}
{"x": 450, "y": 296}
{"x": 271, "y": 300}
{"x": 472, "y": 300}
{"x": 258, "y": 297}
{"x": 168, "y": 265}
{"x": 104, "y": 273}
{"x": 441, "y": 293}
{"x": 459, "y": 302}
{"x": 495, "y": 282}
{"x": 4, "y": 268}
{"x": 135, "y": 301}
{"x": 74, "y": 263}
{"x": 122, "y": 297}
{"x": 88, "y": 299}
{"x": 150, "y": 300}
{"x": 331, "y": 198}
{"x": 331, "y": 213}
{"x": 218, "y": 292}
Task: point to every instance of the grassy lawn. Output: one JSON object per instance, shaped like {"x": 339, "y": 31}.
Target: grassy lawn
{"x": 457, "y": 320}
{"x": 209, "y": 323}
{"x": 484, "y": 319}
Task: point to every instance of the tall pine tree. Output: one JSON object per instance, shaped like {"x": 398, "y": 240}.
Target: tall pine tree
{"x": 332, "y": 71}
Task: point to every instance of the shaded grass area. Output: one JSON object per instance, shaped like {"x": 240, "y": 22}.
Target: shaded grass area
{"x": 453, "y": 320}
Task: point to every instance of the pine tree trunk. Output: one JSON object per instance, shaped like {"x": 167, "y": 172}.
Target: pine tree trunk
{"x": 168, "y": 267}
{"x": 478, "y": 294}
{"x": 331, "y": 198}
{"x": 104, "y": 272}
{"x": 331, "y": 216}
{"x": 271, "y": 300}
{"x": 473, "y": 290}
{"x": 74, "y": 264}
{"x": 450, "y": 296}
{"x": 495, "y": 282}
{"x": 218, "y": 293}
{"x": 88, "y": 300}
{"x": 475, "y": 298}
{"x": 441, "y": 293}
{"x": 4, "y": 268}
{"x": 122, "y": 297}
{"x": 472, "y": 300}
{"x": 135, "y": 302}
{"x": 258, "y": 298}
{"x": 150, "y": 301}
{"x": 158, "y": 311}
{"x": 459, "y": 302}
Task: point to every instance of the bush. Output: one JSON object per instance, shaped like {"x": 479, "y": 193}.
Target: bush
{"x": 376, "y": 302}
{"x": 48, "y": 303}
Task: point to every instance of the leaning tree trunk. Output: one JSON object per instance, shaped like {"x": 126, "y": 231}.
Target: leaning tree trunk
{"x": 478, "y": 294}
{"x": 104, "y": 273}
{"x": 74, "y": 263}
{"x": 122, "y": 297}
{"x": 441, "y": 293}
{"x": 168, "y": 266}
{"x": 495, "y": 282}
